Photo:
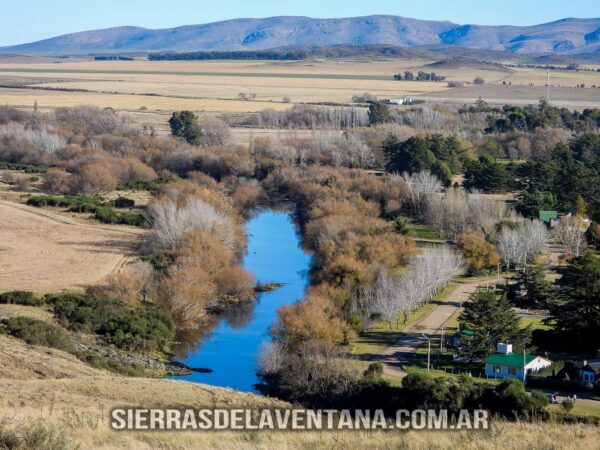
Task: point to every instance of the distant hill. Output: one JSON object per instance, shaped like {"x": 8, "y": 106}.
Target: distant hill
{"x": 566, "y": 36}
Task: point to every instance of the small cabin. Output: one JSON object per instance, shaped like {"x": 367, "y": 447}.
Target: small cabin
{"x": 550, "y": 218}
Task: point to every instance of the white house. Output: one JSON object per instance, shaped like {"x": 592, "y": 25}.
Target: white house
{"x": 507, "y": 364}
{"x": 400, "y": 101}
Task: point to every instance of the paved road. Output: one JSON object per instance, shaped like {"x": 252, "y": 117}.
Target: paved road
{"x": 395, "y": 355}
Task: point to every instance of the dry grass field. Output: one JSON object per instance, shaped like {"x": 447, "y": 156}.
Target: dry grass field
{"x": 215, "y": 86}
{"x": 149, "y": 91}
{"x": 50, "y": 388}
{"x": 42, "y": 251}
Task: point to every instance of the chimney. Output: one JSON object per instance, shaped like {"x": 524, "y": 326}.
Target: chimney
{"x": 504, "y": 348}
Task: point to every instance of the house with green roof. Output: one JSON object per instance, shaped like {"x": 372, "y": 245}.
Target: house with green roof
{"x": 507, "y": 364}
{"x": 549, "y": 218}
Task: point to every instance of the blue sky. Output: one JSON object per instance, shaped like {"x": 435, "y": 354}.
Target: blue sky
{"x": 30, "y": 20}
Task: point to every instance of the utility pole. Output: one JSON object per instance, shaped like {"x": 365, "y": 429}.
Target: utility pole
{"x": 428, "y": 351}
{"x": 548, "y": 84}
{"x": 442, "y": 341}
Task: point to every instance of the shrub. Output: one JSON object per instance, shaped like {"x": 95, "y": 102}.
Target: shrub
{"x": 374, "y": 371}
{"x": 38, "y": 332}
{"x": 103, "y": 212}
{"x": 94, "y": 178}
{"x": 32, "y": 436}
{"x": 567, "y": 405}
{"x": 510, "y": 399}
{"x": 21, "y": 298}
{"x": 235, "y": 282}
{"x": 124, "y": 202}
{"x": 145, "y": 328}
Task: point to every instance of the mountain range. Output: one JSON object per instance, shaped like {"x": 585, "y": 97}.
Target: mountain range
{"x": 566, "y": 36}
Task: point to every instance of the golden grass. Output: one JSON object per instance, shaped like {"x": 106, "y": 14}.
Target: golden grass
{"x": 90, "y": 430}
{"x": 214, "y": 86}
{"x": 49, "y": 99}
{"x": 39, "y": 385}
{"x": 559, "y": 78}
{"x": 43, "y": 251}
{"x": 33, "y": 312}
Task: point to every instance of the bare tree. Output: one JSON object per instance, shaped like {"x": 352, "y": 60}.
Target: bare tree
{"x": 45, "y": 141}
{"x": 271, "y": 358}
{"x": 401, "y": 294}
{"x": 215, "y": 131}
{"x": 485, "y": 212}
{"x": 170, "y": 221}
{"x": 571, "y": 232}
{"x": 449, "y": 213}
{"x": 419, "y": 186}
{"x": 518, "y": 246}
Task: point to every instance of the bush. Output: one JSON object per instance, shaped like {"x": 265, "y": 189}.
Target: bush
{"x": 510, "y": 399}
{"x": 32, "y": 436}
{"x": 21, "y": 298}
{"x": 103, "y": 211}
{"x": 567, "y": 405}
{"x": 374, "y": 371}
{"x": 24, "y": 167}
{"x": 124, "y": 202}
{"x": 108, "y": 215}
{"x": 38, "y": 332}
{"x": 145, "y": 328}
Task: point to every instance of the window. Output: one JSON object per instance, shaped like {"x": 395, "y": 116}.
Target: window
{"x": 587, "y": 376}
{"x": 512, "y": 370}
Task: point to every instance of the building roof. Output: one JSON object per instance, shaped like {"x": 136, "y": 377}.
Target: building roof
{"x": 464, "y": 333}
{"x": 509, "y": 359}
{"x": 547, "y": 216}
{"x": 591, "y": 365}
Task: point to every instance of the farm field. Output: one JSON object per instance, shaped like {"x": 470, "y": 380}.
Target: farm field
{"x": 43, "y": 252}
{"x": 520, "y": 94}
{"x": 148, "y": 91}
{"x": 217, "y": 86}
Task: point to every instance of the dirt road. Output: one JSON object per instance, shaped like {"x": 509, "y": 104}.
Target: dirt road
{"x": 394, "y": 355}
{"x": 42, "y": 251}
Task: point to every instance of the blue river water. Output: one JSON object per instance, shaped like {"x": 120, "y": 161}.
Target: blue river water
{"x": 230, "y": 349}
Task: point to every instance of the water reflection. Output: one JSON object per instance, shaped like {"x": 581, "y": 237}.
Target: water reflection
{"x": 229, "y": 345}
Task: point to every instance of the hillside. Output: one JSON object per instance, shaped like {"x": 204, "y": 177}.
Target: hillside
{"x": 568, "y": 36}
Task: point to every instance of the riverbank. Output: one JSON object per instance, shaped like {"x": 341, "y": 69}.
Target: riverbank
{"x": 275, "y": 257}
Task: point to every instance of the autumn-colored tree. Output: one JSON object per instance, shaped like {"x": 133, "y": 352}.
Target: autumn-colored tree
{"x": 235, "y": 282}
{"x": 131, "y": 286}
{"x": 479, "y": 254}
{"x": 186, "y": 292}
{"x": 94, "y": 178}
{"x": 56, "y": 181}
{"x": 313, "y": 319}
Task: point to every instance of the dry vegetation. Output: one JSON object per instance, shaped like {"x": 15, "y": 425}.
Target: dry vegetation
{"x": 43, "y": 252}
{"x": 353, "y": 221}
{"x": 48, "y": 388}
{"x": 215, "y": 86}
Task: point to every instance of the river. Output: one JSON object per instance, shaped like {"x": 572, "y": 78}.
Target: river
{"x": 230, "y": 349}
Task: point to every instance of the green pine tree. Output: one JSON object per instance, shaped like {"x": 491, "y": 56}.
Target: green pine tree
{"x": 576, "y": 313}
{"x": 492, "y": 320}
